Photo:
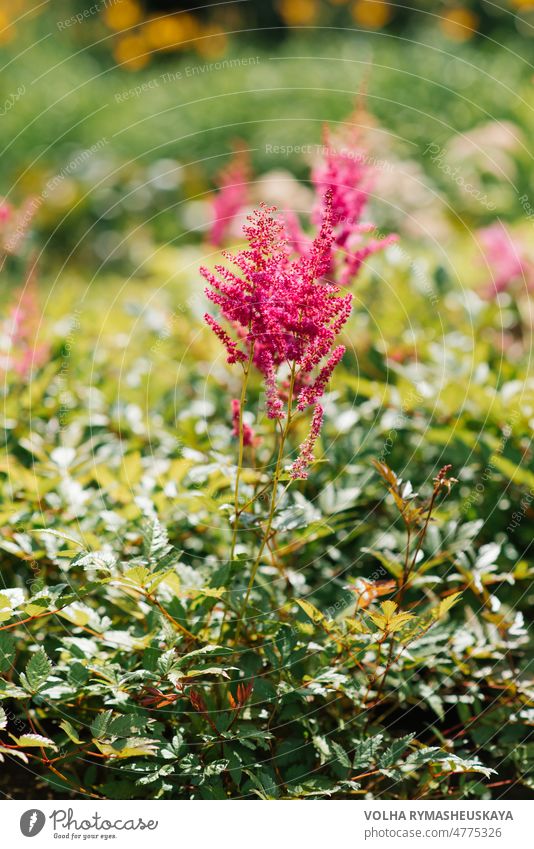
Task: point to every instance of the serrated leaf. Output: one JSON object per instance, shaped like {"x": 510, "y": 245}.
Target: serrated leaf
{"x": 177, "y": 675}
{"x": 100, "y": 724}
{"x": 435, "y": 755}
{"x": 393, "y": 753}
{"x": 37, "y": 671}
{"x": 366, "y": 751}
{"x": 134, "y": 747}
{"x": 138, "y": 576}
{"x": 126, "y": 725}
{"x": 389, "y": 620}
{"x": 155, "y": 539}
{"x": 340, "y": 753}
{"x": 445, "y": 605}
{"x": 34, "y": 740}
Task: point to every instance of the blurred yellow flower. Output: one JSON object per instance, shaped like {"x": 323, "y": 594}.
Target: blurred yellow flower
{"x": 7, "y": 30}
{"x": 213, "y": 42}
{"x": 459, "y": 24}
{"x": 122, "y": 14}
{"x": 131, "y": 51}
{"x": 171, "y": 32}
{"x": 299, "y": 12}
{"x": 523, "y": 4}
{"x": 373, "y": 14}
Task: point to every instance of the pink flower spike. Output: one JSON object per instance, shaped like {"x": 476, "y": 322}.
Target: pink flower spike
{"x": 274, "y": 405}
{"x": 234, "y": 354}
{"x": 311, "y": 393}
{"x": 299, "y": 469}
{"x": 345, "y": 175}
{"x": 354, "y": 261}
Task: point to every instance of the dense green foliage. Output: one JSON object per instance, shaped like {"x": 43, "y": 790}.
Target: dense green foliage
{"x": 121, "y": 448}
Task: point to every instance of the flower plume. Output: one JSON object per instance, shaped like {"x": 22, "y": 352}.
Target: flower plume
{"x": 281, "y": 311}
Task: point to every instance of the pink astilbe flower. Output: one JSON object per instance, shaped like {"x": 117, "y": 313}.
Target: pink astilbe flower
{"x": 299, "y": 468}
{"x": 346, "y": 173}
{"x": 248, "y": 433}
{"x": 282, "y": 311}
{"x": 506, "y": 259}
{"x": 231, "y": 198}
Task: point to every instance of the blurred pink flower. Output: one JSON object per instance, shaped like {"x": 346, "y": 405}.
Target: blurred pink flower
{"x": 24, "y": 354}
{"x": 505, "y": 257}
{"x": 347, "y": 173}
{"x": 5, "y": 212}
{"x": 232, "y": 196}
{"x": 248, "y": 433}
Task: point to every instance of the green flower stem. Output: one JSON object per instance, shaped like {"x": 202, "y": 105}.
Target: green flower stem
{"x": 237, "y": 511}
{"x": 273, "y": 503}
{"x": 242, "y": 403}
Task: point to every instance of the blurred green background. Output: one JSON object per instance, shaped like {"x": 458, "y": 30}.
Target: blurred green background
{"x": 116, "y": 115}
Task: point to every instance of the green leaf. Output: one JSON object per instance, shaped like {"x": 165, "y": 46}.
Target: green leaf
{"x": 155, "y": 539}
{"x": 58, "y": 534}
{"x": 393, "y": 753}
{"x": 312, "y": 612}
{"x": 366, "y": 751}
{"x": 70, "y": 731}
{"x": 445, "y": 605}
{"x": 138, "y": 576}
{"x": 131, "y": 747}
{"x": 37, "y": 671}
{"x": 340, "y": 753}
{"x": 7, "y": 651}
{"x": 6, "y": 610}
{"x": 34, "y": 740}
{"x": 435, "y": 755}
{"x": 323, "y": 747}
{"x": 267, "y": 787}
{"x": 39, "y": 605}
{"x": 206, "y": 651}
{"x": 124, "y": 726}
{"x": 99, "y": 726}
{"x": 10, "y": 752}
